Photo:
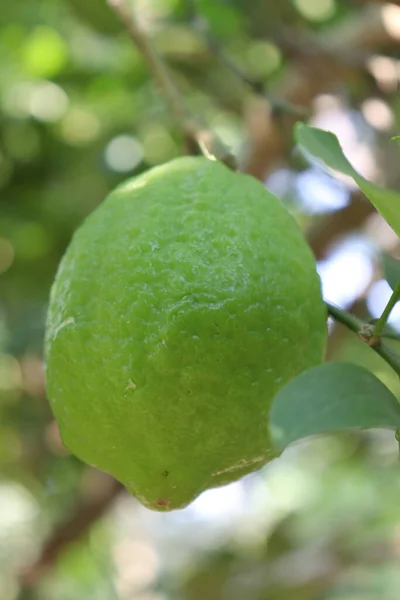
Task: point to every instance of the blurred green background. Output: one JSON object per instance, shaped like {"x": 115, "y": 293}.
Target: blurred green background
{"x": 78, "y": 114}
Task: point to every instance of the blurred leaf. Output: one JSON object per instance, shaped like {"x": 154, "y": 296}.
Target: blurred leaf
{"x": 45, "y": 53}
{"x": 223, "y": 19}
{"x": 324, "y": 146}
{"x": 391, "y": 268}
{"x": 97, "y": 15}
{"x": 329, "y": 398}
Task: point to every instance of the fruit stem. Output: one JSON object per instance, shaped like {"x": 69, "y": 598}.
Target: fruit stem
{"x": 366, "y": 333}
{"x": 203, "y": 139}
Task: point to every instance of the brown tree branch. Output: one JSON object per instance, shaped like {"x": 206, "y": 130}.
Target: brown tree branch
{"x": 86, "y": 512}
{"x": 336, "y": 225}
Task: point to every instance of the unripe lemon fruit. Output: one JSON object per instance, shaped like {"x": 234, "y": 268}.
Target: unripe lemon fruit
{"x": 182, "y": 305}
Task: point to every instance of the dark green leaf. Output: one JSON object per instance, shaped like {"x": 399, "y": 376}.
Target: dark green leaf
{"x": 329, "y": 398}
{"x": 324, "y": 146}
{"x": 391, "y": 268}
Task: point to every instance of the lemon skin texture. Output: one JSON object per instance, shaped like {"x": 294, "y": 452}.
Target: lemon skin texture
{"x": 182, "y": 305}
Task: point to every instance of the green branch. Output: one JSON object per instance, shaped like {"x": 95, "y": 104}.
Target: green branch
{"x": 381, "y": 322}
{"x": 365, "y": 332}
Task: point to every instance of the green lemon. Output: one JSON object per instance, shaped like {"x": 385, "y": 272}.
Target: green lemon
{"x": 182, "y": 305}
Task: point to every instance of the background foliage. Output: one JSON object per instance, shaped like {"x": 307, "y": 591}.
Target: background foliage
{"x": 79, "y": 113}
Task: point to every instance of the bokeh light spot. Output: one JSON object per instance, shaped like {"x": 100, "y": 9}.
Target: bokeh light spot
{"x": 17, "y": 506}
{"x": 316, "y": 10}
{"x": 377, "y": 113}
{"x": 45, "y": 53}
{"x": 158, "y": 145}
{"x": 136, "y": 564}
{"x": 123, "y": 153}
{"x": 10, "y": 373}
{"x": 6, "y": 254}
{"x": 220, "y": 503}
{"x": 80, "y": 126}
{"x": 47, "y": 101}
{"x": 320, "y": 193}
{"x": 31, "y": 241}
{"x": 263, "y": 58}
{"x": 346, "y": 272}
{"x": 386, "y": 71}
{"x": 391, "y": 19}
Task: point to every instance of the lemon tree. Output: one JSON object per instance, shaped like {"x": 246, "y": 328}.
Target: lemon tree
{"x": 183, "y": 304}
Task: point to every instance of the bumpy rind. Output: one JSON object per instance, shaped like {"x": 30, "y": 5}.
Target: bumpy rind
{"x": 182, "y": 305}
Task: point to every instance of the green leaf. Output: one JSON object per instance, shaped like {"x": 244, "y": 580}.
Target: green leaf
{"x": 329, "y": 398}
{"x": 324, "y": 146}
{"x": 391, "y": 268}
{"x": 395, "y": 138}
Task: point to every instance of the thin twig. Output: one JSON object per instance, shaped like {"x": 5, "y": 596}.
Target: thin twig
{"x": 155, "y": 64}
{"x": 192, "y": 130}
{"x": 257, "y": 86}
{"x": 361, "y": 328}
{"x": 381, "y": 322}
